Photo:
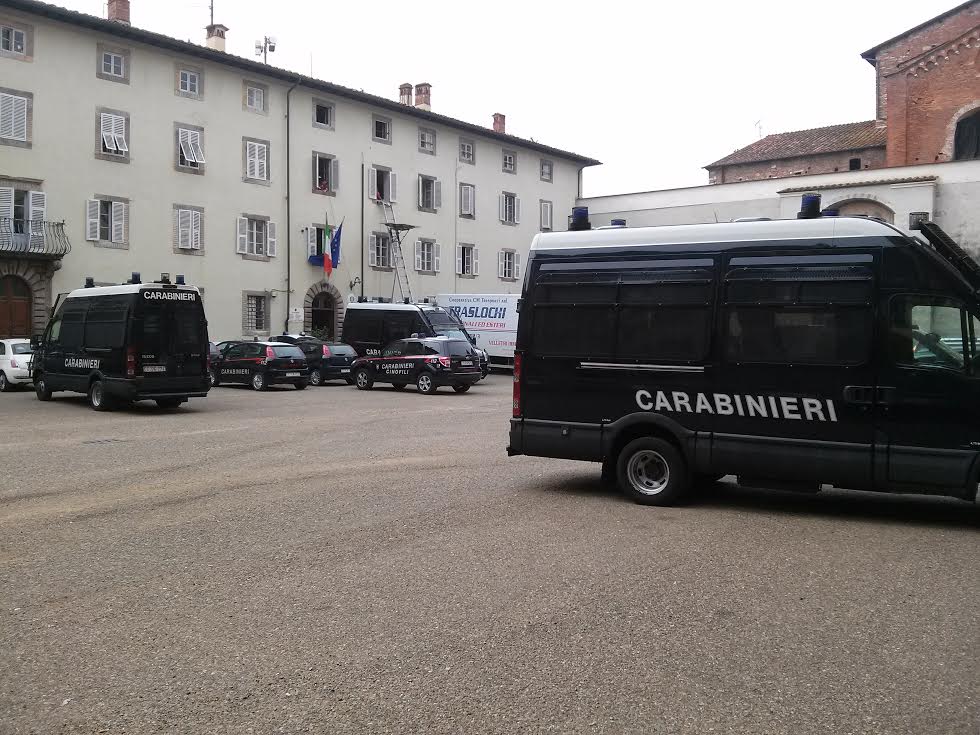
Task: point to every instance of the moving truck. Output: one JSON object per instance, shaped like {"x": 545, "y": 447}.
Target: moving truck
{"x": 491, "y": 318}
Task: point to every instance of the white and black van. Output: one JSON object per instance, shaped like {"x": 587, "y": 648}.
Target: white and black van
{"x": 132, "y": 342}
{"x": 793, "y": 354}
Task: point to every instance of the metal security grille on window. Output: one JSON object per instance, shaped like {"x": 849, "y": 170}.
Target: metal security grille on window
{"x": 112, "y": 64}
{"x": 13, "y": 117}
{"x": 12, "y": 40}
{"x": 256, "y": 98}
{"x": 190, "y": 152}
{"x": 114, "y": 134}
{"x": 255, "y": 313}
{"x": 189, "y": 82}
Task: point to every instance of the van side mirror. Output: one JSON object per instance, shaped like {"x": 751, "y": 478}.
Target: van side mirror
{"x": 36, "y": 341}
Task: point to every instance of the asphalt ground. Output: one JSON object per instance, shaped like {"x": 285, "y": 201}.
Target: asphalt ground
{"x": 338, "y": 561}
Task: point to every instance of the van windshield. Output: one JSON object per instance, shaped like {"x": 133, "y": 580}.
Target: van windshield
{"x": 444, "y": 324}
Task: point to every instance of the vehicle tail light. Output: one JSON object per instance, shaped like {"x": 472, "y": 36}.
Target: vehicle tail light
{"x": 518, "y": 359}
{"x": 445, "y": 361}
{"x": 326, "y": 351}
{"x": 13, "y": 362}
{"x": 269, "y": 353}
{"x": 130, "y": 362}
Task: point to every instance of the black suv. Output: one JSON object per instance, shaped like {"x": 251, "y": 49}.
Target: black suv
{"x": 327, "y": 360}
{"x": 429, "y": 362}
{"x": 261, "y": 364}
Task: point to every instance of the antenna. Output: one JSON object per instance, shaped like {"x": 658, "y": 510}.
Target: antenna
{"x": 758, "y": 127}
{"x": 211, "y": 5}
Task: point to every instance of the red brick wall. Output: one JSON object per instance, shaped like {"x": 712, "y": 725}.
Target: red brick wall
{"x": 819, "y": 164}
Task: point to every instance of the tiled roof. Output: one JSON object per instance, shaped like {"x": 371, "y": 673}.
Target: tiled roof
{"x": 122, "y": 30}
{"x": 831, "y": 139}
{"x": 863, "y": 182}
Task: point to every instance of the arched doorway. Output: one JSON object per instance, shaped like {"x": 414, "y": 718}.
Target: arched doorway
{"x": 966, "y": 139}
{"x": 865, "y": 208}
{"x": 323, "y": 316}
{"x": 15, "y": 307}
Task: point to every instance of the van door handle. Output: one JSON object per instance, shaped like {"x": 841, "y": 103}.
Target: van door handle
{"x": 860, "y": 395}
{"x": 886, "y": 395}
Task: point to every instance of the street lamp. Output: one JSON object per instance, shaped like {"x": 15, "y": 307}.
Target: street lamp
{"x": 263, "y": 47}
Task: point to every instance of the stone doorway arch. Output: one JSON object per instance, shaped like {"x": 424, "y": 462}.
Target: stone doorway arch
{"x": 16, "y": 299}
{"x": 323, "y": 311}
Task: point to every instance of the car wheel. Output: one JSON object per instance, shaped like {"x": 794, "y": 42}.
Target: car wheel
{"x": 652, "y": 472}
{"x": 399, "y": 386}
{"x": 168, "y": 402}
{"x": 5, "y": 384}
{"x": 213, "y": 378}
{"x": 426, "y": 384}
{"x": 258, "y": 381}
{"x": 301, "y": 385}
{"x": 41, "y": 389}
{"x": 461, "y": 388}
{"x": 316, "y": 378}
{"x": 363, "y": 380}
{"x": 97, "y": 397}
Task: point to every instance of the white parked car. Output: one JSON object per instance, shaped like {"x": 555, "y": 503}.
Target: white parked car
{"x": 15, "y": 363}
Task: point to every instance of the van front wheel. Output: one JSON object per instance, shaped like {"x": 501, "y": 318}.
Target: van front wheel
{"x": 652, "y": 472}
{"x": 41, "y": 389}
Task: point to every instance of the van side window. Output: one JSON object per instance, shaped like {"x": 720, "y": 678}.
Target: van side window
{"x": 72, "y": 324}
{"x": 363, "y": 326}
{"x": 799, "y": 316}
{"x": 398, "y": 325}
{"x": 927, "y": 332}
{"x": 105, "y": 323}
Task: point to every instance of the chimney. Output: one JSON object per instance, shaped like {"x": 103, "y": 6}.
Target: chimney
{"x": 216, "y": 36}
{"x": 119, "y": 11}
{"x": 405, "y": 94}
{"x": 499, "y": 123}
{"x": 423, "y": 96}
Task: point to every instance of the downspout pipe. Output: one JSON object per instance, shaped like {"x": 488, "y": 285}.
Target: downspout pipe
{"x": 289, "y": 211}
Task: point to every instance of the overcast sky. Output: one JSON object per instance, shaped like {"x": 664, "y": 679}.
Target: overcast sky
{"x": 655, "y": 90}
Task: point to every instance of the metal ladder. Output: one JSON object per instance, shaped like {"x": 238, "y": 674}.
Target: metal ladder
{"x": 395, "y": 231}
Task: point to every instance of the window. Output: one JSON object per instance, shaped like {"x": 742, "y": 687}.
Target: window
{"x": 190, "y": 153}
{"x": 325, "y": 173}
{"x": 13, "y": 40}
{"x": 467, "y": 150}
{"x": 323, "y": 113}
{"x": 189, "y": 82}
{"x": 546, "y": 216}
{"x": 547, "y": 170}
{"x": 510, "y": 209}
{"x": 927, "y": 332}
{"x": 427, "y": 140}
{"x": 256, "y": 237}
{"x": 427, "y": 256}
{"x": 188, "y": 235}
{"x": 508, "y": 265}
{"x": 382, "y": 129}
{"x": 467, "y": 260}
{"x": 509, "y": 162}
{"x": 854, "y": 164}
{"x": 255, "y": 98}
{"x": 379, "y": 251}
{"x": 105, "y": 321}
{"x": 18, "y": 209}
{"x": 107, "y": 221}
{"x": 317, "y": 241}
{"x": 467, "y": 200}
{"x": 382, "y": 185}
{"x": 113, "y": 133}
{"x": 256, "y": 313}
{"x": 430, "y": 194}
{"x": 14, "y": 117}
{"x": 113, "y": 64}
{"x": 966, "y": 139}
{"x": 256, "y": 160}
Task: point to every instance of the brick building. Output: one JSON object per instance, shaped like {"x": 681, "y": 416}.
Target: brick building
{"x": 928, "y": 110}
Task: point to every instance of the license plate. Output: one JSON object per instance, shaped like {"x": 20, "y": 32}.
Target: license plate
{"x": 292, "y": 375}
{"x": 466, "y": 363}
{"x": 344, "y": 370}
{"x": 154, "y": 368}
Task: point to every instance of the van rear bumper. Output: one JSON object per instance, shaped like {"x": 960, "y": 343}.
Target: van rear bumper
{"x": 135, "y": 390}
{"x": 559, "y": 439}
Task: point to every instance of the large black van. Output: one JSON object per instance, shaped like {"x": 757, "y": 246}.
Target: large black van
{"x": 793, "y": 354}
{"x": 125, "y": 343}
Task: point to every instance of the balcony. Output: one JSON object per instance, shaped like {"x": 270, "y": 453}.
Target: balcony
{"x": 33, "y": 238}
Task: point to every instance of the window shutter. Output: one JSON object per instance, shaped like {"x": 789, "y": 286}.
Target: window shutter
{"x": 196, "y": 221}
{"x": 500, "y": 264}
{"x": 119, "y": 133}
{"x": 373, "y": 250}
{"x": 184, "y": 228}
{"x": 271, "y": 247}
{"x": 418, "y": 255}
{"x": 196, "y": 147}
{"x": 372, "y": 183}
{"x": 436, "y": 258}
{"x": 459, "y": 260}
{"x": 119, "y": 218}
{"x": 421, "y": 180}
{"x": 13, "y": 117}
{"x": 92, "y": 219}
{"x": 184, "y": 140}
{"x": 517, "y": 210}
{"x": 251, "y": 160}
{"x": 6, "y": 202}
{"x": 316, "y": 170}
{"x": 392, "y": 195}
{"x": 517, "y": 265}
{"x": 311, "y": 242}
{"x": 502, "y": 207}
{"x": 242, "y": 246}
{"x": 476, "y": 261}
{"x": 36, "y": 203}
{"x": 105, "y": 122}
{"x": 261, "y": 160}
{"x": 436, "y": 194}
{"x": 334, "y": 175}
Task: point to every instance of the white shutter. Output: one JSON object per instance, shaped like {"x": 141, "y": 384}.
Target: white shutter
{"x": 271, "y": 247}
{"x": 476, "y": 261}
{"x": 517, "y": 210}
{"x": 436, "y": 258}
{"x": 373, "y": 250}
{"x": 184, "y": 225}
{"x": 372, "y": 183}
{"x": 251, "y": 160}
{"x": 436, "y": 194}
{"x": 196, "y": 221}
{"x": 334, "y": 175}
{"x": 105, "y": 122}
{"x": 6, "y": 202}
{"x": 92, "y": 219}
{"x": 119, "y": 222}
{"x": 421, "y": 180}
{"x": 459, "y": 260}
{"x": 311, "y": 241}
{"x": 500, "y": 264}
{"x": 194, "y": 137}
{"x": 36, "y": 203}
{"x": 468, "y": 200}
{"x": 119, "y": 133}
{"x": 184, "y": 141}
{"x": 545, "y": 215}
{"x": 242, "y": 246}
{"x": 392, "y": 194}
{"x": 517, "y": 265}
{"x": 261, "y": 167}
{"x": 502, "y": 207}
{"x": 13, "y": 117}
{"x": 418, "y": 255}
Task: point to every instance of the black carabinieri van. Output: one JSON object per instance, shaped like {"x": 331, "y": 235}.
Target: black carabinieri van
{"x": 793, "y": 354}
{"x": 125, "y": 343}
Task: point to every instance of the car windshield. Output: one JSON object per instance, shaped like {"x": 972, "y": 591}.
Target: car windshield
{"x": 287, "y": 351}
{"x": 454, "y": 332}
{"x": 458, "y": 348}
{"x": 22, "y": 349}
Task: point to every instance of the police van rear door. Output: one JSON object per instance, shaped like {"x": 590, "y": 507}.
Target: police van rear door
{"x": 170, "y": 334}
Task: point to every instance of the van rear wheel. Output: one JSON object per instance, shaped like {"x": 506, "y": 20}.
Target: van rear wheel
{"x": 652, "y": 472}
{"x": 97, "y": 397}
